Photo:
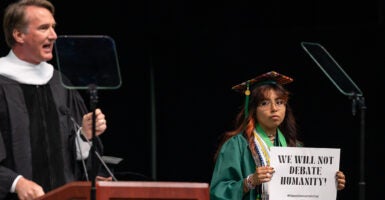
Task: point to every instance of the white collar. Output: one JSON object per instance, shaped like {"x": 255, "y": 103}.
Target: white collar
{"x": 23, "y": 72}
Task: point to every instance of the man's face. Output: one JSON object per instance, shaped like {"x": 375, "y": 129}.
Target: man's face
{"x": 36, "y": 43}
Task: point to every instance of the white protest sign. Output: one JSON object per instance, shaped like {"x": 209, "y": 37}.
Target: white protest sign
{"x": 304, "y": 173}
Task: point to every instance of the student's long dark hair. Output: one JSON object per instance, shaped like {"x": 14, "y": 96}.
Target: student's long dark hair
{"x": 246, "y": 125}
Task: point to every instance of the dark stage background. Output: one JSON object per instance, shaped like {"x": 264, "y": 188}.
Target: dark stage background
{"x": 179, "y": 60}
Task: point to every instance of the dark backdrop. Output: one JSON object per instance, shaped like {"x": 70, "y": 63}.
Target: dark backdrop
{"x": 179, "y": 60}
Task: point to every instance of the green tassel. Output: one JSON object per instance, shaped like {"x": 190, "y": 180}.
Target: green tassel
{"x": 247, "y": 93}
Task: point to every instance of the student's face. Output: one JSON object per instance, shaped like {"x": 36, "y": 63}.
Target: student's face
{"x": 36, "y": 43}
{"x": 271, "y": 111}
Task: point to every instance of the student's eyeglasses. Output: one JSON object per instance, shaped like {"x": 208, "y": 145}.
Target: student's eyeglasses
{"x": 279, "y": 103}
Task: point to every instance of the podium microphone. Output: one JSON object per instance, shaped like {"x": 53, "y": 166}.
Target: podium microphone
{"x": 77, "y": 127}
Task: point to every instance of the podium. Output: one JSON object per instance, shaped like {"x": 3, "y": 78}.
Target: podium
{"x": 143, "y": 190}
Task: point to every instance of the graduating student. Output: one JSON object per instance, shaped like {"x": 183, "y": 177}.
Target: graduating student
{"x": 242, "y": 169}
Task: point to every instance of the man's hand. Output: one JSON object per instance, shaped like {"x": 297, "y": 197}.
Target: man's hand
{"x": 101, "y": 178}
{"x": 100, "y": 124}
{"x": 27, "y": 189}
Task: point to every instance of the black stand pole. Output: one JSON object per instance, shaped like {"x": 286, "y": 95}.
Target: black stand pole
{"x": 360, "y": 100}
{"x": 339, "y": 78}
{"x": 93, "y": 103}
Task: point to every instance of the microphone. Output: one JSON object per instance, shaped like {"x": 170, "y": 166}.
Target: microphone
{"x": 65, "y": 111}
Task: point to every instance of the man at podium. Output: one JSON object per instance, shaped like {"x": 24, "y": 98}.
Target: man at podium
{"x": 42, "y": 147}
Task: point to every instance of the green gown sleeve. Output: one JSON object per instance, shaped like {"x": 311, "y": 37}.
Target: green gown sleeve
{"x": 233, "y": 165}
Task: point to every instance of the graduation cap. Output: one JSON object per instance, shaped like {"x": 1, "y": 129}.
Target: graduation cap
{"x": 271, "y": 77}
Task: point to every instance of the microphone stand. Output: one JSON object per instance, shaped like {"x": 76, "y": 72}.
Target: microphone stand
{"x": 93, "y": 103}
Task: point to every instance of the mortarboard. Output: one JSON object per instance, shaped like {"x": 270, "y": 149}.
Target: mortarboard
{"x": 271, "y": 77}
